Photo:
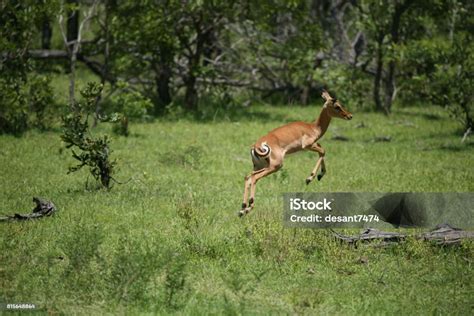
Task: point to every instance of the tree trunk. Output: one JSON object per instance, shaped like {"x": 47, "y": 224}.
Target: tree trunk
{"x": 318, "y": 60}
{"x": 72, "y": 80}
{"x": 400, "y": 8}
{"x": 191, "y": 97}
{"x": 72, "y": 23}
{"x": 389, "y": 87}
{"x": 210, "y": 49}
{"x": 163, "y": 80}
{"x": 468, "y": 120}
{"x": 72, "y": 39}
{"x": 105, "y": 66}
{"x": 378, "y": 73}
{"x": 46, "y": 34}
{"x": 72, "y": 34}
{"x": 162, "y": 68}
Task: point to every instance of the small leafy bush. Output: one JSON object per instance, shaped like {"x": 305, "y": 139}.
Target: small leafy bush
{"x": 81, "y": 246}
{"x": 348, "y": 84}
{"x": 131, "y": 104}
{"x": 122, "y": 127}
{"x": 189, "y": 157}
{"x": 81, "y": 259}
{"x": 94, "y": 152}
{"x": 131, "y": 270}
{"x": 176, "y": 292}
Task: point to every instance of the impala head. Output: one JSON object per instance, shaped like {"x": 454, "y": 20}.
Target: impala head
{"x": 335, "y": 107}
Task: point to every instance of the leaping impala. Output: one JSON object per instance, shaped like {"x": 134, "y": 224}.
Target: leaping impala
{"x": 270, "y": 150}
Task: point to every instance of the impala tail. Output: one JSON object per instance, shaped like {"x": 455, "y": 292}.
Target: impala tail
{"x": 261, "y": 152}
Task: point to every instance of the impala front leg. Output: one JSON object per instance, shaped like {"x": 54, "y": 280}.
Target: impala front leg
{"x": 320, "y": 163}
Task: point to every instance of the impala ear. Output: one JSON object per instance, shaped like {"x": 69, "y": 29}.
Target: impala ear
{"x": 326, "y": 96}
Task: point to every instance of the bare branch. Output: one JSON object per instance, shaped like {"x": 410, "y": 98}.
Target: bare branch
{"x": 74, "y": 46}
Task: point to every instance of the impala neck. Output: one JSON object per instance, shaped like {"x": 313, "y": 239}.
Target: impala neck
{"x": 323, "y": 121}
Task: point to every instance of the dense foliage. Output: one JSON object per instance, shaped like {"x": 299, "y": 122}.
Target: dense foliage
{"x": 199, "y": 54}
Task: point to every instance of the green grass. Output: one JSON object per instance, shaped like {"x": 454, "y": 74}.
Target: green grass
{"x": 169, "y": 241}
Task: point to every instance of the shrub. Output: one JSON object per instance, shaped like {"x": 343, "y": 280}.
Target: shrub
{"x": 131, "y": 105}
{"x": 348, "y": 84}
{"x": 24, "y": 103}
{"x": 40, "y": 98}
{"x": 132, "y": 269}
{"x": 176, "y": 292}
{"x": 440, "y": 72}
{"x": 94, "y": 151}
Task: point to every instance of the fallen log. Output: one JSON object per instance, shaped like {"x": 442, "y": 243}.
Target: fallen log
{"x": 443, "y": 234}
{"x": 43, "y": 208}
{"x": 370, "y": 234}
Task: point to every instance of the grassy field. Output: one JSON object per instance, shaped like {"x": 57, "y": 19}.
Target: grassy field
{"x": 170, "y": 241}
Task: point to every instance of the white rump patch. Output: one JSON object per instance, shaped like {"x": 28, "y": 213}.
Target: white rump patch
{"x": 265, "y": 147}
{"x": 258, "y": 161}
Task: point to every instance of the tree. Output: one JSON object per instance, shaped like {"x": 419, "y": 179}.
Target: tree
{"x": 16, "y": 38}
{"x": 146, "y": 52}
{"x": 73, "y": 38}
{"x": 381, "y": 21}
{"x": 273, "y": 48}
{"x": 167, "y": 42}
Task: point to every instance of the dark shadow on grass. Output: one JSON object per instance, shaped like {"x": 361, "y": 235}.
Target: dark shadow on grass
{"x": 234, "y": 114}
{"x": 457, "y": 133}
{"x": 426, "y": 116}
{"x": 452, "y": 147}
{"x": 457, "y": 147}
{"x": 48, "y": 129}
{"x": 243, "y": 115}
{"x": 431, "y": 117}
{"x": 256, "y": 116}
{"x": 132, "y": 135}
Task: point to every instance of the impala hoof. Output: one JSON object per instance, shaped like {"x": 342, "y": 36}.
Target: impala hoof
{"x": 308, "y": 181}
{"x": 320, "y": 176}
{"x": 241, "y": 213}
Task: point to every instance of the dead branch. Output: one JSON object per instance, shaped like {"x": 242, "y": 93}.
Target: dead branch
{"x": 74, "y": 46}
{"x": 43, "y": 208}
{"x": 443, "y": 234}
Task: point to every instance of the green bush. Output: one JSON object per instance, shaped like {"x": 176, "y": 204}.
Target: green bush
{"x": 349, "y": 84}
{"x": 440, "y": 72}
{"x": 134, "y": 264}
{"x": 126, "y": 105}
{"x": 25, "y": 103}
{"x": 176, "y": 291}
{"x": 94, "y": 151}
{"x": 40, "y": 99}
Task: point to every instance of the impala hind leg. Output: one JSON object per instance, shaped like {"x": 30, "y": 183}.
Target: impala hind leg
{"x": 323, "y": 170}
{"x": 248, "y": 182}
{"x": 320, "y": 163}
{"x": 257, "y": 175}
